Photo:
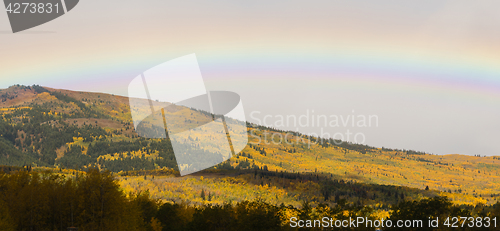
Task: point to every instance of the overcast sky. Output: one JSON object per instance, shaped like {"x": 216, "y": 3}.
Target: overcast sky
{"x": 429, "y": 70}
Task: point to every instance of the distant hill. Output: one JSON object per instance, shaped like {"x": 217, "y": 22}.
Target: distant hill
{"x": 42, "y": 126}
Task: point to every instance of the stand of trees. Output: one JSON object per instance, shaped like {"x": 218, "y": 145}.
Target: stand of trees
{"x": 48, "y": 201}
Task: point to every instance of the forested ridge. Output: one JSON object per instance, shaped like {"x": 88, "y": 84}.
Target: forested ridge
{"x": 71, "y": 133}
{"x": 41, "y": 126}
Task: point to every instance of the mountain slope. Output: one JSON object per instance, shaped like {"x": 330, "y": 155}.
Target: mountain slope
{"x": 51, "y": 127}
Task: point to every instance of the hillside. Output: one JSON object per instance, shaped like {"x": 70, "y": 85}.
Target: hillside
{"x": 48, "y": 127}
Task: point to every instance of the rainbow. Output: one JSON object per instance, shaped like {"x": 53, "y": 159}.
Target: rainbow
{"x": 476, "y": 77}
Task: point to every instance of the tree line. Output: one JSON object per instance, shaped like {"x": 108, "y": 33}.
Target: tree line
{"x": 94, "y": 201}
